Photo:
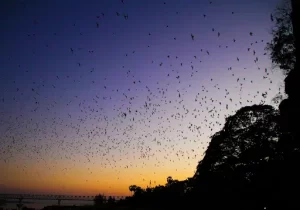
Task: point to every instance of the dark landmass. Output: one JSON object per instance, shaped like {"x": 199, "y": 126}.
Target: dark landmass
{"x": 2, "y": 202}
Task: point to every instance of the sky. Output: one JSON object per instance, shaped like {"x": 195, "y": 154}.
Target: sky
{"x": 99, "y": 95}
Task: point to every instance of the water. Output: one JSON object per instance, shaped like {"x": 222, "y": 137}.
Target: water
{"x": 39, "y": 204}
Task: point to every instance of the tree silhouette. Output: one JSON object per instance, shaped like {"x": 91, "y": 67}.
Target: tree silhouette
{"x": 290, "y": 140}
{"x": 136, "y": 190}
{"x": 99, "y": 200}
{"x": 237, "y": 163}
{"x": 248, "y": 137}
{"x": 132, "y": 188}
{"x": 170, "y": 195}
{"x": 169, "y": 181}
{"x": 282, "y": 47}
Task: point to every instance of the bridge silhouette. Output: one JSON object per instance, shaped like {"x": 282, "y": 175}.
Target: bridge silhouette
{"x": 59, "y": 198}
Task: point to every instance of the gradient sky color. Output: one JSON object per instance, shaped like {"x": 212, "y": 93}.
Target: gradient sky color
{"x": 93, "y": 103}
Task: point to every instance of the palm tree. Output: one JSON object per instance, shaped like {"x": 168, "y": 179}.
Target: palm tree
{"x": 169, "y": 181}
{"x": 132, "y": 188}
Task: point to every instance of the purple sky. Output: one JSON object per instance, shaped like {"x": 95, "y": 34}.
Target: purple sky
{"x": 66, "y": 86}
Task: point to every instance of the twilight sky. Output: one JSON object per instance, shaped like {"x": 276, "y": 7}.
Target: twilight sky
{"x": 92, "y": 101}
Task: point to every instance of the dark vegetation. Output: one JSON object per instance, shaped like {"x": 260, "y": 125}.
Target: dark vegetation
{"x": 2, "y": 202}
{"x": 282, "y": 47}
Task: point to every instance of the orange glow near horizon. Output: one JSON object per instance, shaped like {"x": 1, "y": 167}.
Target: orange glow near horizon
{"x": 76, "y": 182}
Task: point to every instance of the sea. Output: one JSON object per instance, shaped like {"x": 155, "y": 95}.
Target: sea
{"x": 39, "y": 204}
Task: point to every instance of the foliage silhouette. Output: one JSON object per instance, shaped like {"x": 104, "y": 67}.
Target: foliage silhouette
{"x": 282, "y": 47}
{"x": 236, "y": 165}
{"x": 169, "y": 195}
{"x": 290, "y": 140}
